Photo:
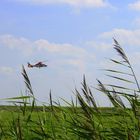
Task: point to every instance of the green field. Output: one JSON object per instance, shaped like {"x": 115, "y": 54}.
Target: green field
{"x": 66, "y": 123}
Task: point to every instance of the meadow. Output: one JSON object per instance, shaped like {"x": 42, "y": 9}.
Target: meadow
{"x": 80, "y": 119}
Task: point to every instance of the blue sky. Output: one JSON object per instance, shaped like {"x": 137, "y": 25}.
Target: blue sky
{"x": 74, "y": 36}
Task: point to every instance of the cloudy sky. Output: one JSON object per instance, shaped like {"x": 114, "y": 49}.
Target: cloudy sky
{"x": 74, "y": 37}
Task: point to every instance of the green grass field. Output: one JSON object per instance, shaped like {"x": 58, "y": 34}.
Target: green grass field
{"x": 65, "y": 123}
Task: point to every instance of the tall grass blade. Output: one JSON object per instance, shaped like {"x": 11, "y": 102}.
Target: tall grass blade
{"x": 27, "y": 81}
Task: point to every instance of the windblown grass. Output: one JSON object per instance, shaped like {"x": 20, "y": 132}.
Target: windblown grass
{"x": 80, "y": 120}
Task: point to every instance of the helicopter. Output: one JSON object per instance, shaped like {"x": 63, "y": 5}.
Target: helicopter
{"x": 37, "y": 65}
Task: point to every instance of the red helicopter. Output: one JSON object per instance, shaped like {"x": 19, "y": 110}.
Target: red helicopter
{"x": 37, "y": 65}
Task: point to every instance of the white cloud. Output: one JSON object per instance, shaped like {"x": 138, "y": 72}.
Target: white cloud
{"x": 63, "y": 49}
{"x": 72, "y": 65}
{"x": 67, "y": 53}
{"x": 77, "y": 56}
{"x": 27, "y": 46}
{"x": 6, "y": 70}
{"x": 20, "y": 43}
{"x": 129, "y": 39}
{"x": 101, "y": 45}
{"x": 125, "y": 37}
{"x": 135, "y": 5}
{"x": 75, "y": 3}
{"x": 136, "y": 22}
